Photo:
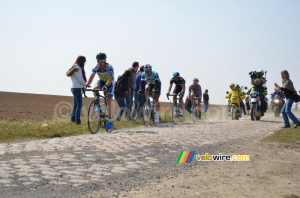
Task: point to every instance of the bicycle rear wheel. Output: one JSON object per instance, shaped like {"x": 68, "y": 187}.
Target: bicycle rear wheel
{"x": 93, "y": 117}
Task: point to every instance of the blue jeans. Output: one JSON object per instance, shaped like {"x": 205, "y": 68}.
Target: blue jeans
{"x": 139, "y": 102}
{"x": 77, "y": 98}
{"x": 286, "y": 112}
{"x": 131, "y": 100}
{"x": 205, "y": 106}
{"x": 122, "y": 102}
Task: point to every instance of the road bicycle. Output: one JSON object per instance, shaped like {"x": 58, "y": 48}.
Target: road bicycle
{"x": 196, "y": 111}
{"x": 97, "y": 112}
{"x": 149, "y": 109}
{"x": 177, "y": 115}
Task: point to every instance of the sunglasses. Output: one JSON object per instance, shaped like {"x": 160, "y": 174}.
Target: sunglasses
{"x": 99, "y": 61}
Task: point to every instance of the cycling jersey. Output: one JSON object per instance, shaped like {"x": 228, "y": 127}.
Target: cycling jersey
{"x": 196, "y": 89}
{"x": 103, "y": 74}
{"x": 179, "y": 82}
{"x": 150, "y": 79}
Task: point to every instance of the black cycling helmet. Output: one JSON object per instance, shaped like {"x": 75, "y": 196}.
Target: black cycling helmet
{"x": 101, "y": 56}
{"x": 176, "y": 74}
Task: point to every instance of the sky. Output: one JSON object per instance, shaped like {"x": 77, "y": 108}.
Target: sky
{"x": 217, "y": 41}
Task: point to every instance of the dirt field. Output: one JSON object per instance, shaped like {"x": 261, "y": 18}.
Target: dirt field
{"x": 37, "y": 107}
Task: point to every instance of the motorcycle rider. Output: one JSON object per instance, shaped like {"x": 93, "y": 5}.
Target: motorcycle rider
{"x": 242, "y": 97}
{"x": 232, "y": 86}
{"x": 263, "y": 91}
{"x": 179, "y": 88}
{"x": 278, "y": 93}
{"x": 235, "y": 91}
{"x": 194, "y": 91}
{"x": 261, "y": 85}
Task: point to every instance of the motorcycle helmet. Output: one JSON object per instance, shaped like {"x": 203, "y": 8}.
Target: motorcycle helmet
{"x": 237, "y": 87}
{"x": 232, "y": 85}
{"x": 257, "y": 81}
{"x": 260, "y": 71}
{"x": 176, "y": 74}
{"x": 147, "y": 68}
{"x": 101, "y": 56}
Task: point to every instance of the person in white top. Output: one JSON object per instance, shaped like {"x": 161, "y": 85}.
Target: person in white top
{"x": 78, "y": 81}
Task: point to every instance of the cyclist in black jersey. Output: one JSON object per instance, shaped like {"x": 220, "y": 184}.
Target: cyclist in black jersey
{"x": 179, "y": 88}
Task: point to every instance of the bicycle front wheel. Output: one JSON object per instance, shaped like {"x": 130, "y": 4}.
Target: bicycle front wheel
{"x": 147, "y": 114}
{"x": 195, "y": 113}
{"x": 93, "y": 117}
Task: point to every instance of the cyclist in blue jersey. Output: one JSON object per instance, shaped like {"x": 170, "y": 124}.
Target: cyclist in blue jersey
{"x": 105, "y": 73}
{"x": 153, "y": 81}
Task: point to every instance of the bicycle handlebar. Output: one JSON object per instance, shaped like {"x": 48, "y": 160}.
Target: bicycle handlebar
{"x": 94, "y": 90}
{"x": 173, "y": 95}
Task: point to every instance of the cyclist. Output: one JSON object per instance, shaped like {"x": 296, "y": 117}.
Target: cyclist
{"x": 153, "y": 83}
{"x": 194, "y": 91}
{"x": 179, "y": 88}
{"x": 105, "y": 73}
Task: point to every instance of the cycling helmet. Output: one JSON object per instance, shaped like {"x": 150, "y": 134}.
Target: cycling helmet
{"x": 101, "y": 56}
{"x": 231, "y": 84}
{"x": 257, "y": 81}
{"x": 147, "y": 68}
{"x": 196, "y": 79}
{"x": 176, "y": 74}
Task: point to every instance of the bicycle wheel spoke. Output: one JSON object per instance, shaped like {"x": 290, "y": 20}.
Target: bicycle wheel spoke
{"x": 93, "y": 117}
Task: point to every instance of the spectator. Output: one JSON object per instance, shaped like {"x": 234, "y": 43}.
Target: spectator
{"x": 205, "y": 100}
{"x": 129, "y": 97}
{"x": 139, "y": 98}
{"x": 78, "y": 81}
{"x": 290, "y": 94}
{"x": 121, "y": 90}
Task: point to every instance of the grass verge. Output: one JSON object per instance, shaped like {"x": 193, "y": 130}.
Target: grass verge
{"x": 284, "y": 135}
{"x": 34, "y": 130}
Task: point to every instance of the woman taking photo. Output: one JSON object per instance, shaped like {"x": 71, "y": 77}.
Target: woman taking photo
{"x": 290, "y": 94}
{"x": 78, "y": 81}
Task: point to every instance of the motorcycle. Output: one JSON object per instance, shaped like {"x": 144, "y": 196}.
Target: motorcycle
{"x": 235, "y": 109}
{"x": 255, "y": 104}
{"x": 247, "y": 101}
{"x": 277, "y": 105}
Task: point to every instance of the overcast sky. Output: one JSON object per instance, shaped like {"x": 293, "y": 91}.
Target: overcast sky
{"x": 217, "y": 41}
